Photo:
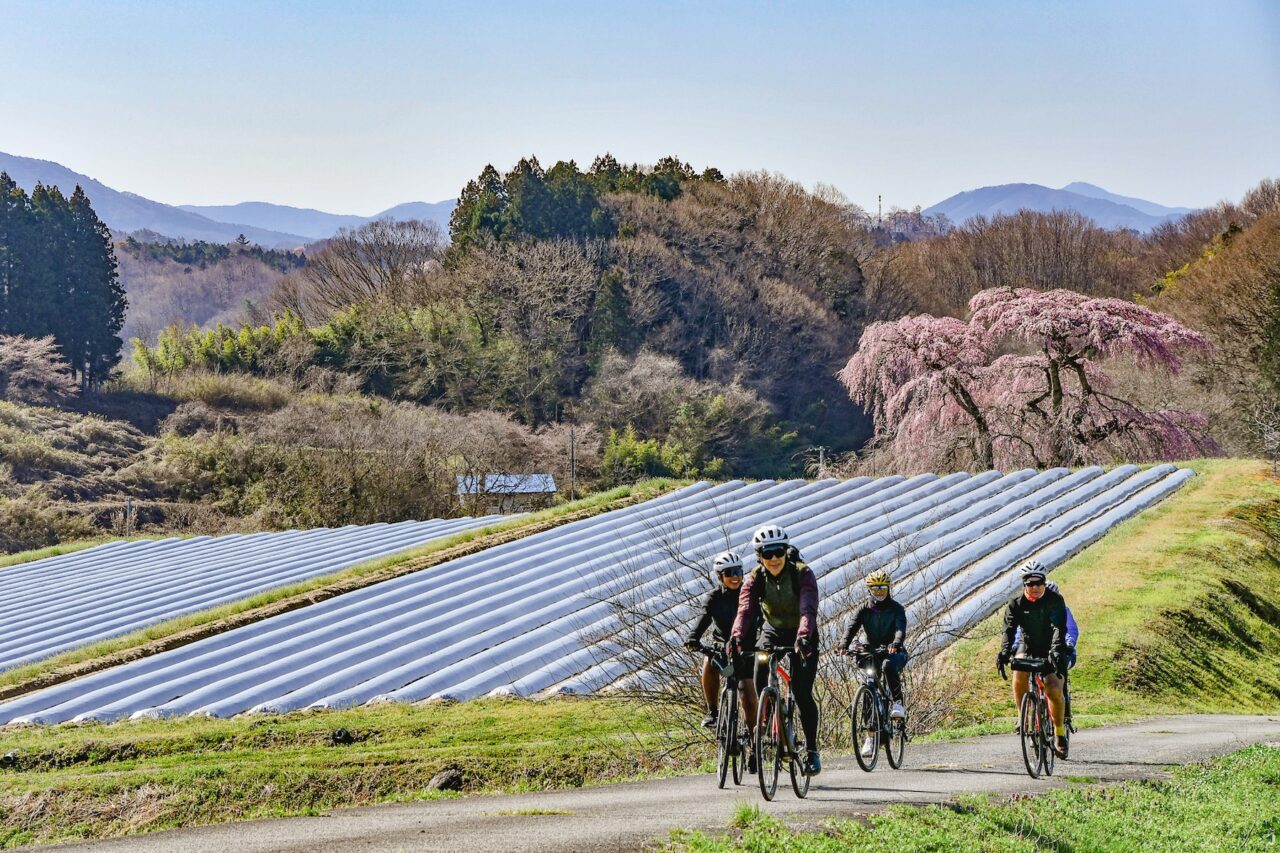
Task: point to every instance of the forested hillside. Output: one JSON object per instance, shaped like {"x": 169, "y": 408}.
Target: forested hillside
{"x": 667, "y": 320}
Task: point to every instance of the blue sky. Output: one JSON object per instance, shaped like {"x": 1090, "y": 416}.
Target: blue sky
{"x": 354, "y": 107}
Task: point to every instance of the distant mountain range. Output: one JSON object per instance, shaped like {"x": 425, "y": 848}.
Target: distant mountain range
{"x": 280, "y": 226}
{"x": 316, "y": 224}
{"x": 272, "y": 225}
{"x": 1105, "y": 208}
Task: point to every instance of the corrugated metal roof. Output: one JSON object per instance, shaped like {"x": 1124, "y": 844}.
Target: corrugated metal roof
{"x": 534, "y": 615}
{"x": 61, "y": 603}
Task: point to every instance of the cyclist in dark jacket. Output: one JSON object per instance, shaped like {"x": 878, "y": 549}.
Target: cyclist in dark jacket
{"x": 719, "y": 608}
{"x": 784, "y": 591}
{"x": 884, "y": 621}
{"x": 1042, "y": 615}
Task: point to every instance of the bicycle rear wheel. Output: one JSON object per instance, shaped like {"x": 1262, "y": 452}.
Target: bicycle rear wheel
{"x": 1046, "y": 737}
{"x": 1029, "y": 727}
{"x": 799, "y": 770}
{"x": 768, "y": 745}
{"x": 865, "y": 716}
{"x": 724, "y": 737}
{"x": 895, "y": 745}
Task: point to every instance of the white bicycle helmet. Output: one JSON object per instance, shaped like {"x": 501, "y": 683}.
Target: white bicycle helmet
{"x": 1033, "y": 569}
{"x": 727, "y": 560}
{"x": 770, "y": 534}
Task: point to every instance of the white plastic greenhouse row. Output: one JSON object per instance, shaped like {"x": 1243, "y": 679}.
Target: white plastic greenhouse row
{"x": 61, "y": 603}
{"x": 534, "y": 615}
{"x": 954, "y": 572}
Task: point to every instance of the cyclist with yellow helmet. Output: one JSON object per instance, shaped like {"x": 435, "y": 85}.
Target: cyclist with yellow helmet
{"x": 883, "y": 621}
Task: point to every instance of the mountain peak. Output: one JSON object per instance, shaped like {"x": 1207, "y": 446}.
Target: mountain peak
{"x": 1107, "y": 209}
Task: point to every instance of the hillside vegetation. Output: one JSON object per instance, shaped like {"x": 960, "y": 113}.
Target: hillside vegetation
{"x": 1179, "y": 608}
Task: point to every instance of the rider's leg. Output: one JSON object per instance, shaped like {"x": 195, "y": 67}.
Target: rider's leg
{"x": 802, "y": 678}
{"x": 893, "y": 665}
{"x": 1021, "y": 684}
{"x": 747, "y": 693}
{"x": 710, "y": 684}
{"x": 1053, "y": 692}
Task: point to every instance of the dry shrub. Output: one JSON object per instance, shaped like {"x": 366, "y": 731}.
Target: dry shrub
{"x": 32, "y": 520}
{"x": 235, "y": 391}
{"x": 32, "y": 370}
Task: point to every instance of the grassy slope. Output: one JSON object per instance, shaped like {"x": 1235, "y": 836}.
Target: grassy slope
{"x": 1179, "y": 608}
{"x": 1232, "y": 803}
{"x": 82, "y": 660}
{"x": 100, "y": 780}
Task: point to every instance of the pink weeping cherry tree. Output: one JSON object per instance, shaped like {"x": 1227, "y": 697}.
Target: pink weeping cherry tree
{"x": 1022, "y": 382}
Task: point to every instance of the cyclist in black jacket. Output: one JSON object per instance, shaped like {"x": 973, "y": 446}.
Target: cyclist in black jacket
{"x": 884, "y": 621}
{"x": 1042, "y": 615}
{"x": 718, "y": 611}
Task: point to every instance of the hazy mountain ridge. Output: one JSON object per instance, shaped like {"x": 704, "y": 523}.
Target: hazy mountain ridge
{"x": 1107, "y": 209}
{"x": 127, "y": 212}
{"x": 318, "y": 224}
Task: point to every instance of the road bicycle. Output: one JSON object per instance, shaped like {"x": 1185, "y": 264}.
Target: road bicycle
{"x": 1035, "y": 725}
{"x": 731, "y": 743}
{"x": 776, "y": 739}
{"x": 869, "y": 713}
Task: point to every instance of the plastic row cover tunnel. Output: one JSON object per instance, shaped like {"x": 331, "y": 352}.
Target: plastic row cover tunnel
{"x": 536, "y": 615}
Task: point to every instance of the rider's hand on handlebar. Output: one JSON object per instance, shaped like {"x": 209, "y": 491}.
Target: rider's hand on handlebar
{"x": 733, "y": 647}
{"x": 1002, "y": 659}
{"x": 894, "y": 649}
{"x": 803, "y": 646}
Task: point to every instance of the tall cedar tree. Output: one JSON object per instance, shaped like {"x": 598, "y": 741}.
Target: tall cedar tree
{"x": 58, "y": 277}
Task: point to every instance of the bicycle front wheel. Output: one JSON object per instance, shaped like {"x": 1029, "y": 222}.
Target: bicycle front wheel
{"x": 865, "y": 716}
{"x": 724, "y": 738}
{"x": 1029, "y": 728}
{"x": 895, "y": 744}
{"x": 1046, "y": 737}
{"x": 800, "y": 750}
{"x": 768, "y": 743}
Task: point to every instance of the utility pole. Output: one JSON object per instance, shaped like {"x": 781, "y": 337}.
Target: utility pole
{"x": 573, "y": 462}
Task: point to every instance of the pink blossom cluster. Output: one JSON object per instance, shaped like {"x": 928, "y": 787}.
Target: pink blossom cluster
{"x": 1021, "y": 383}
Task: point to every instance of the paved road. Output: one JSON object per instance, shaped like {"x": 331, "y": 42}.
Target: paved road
{"x": 627, "y": 817}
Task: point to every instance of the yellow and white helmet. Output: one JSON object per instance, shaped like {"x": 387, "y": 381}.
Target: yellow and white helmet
{"x": 880, "y": 577}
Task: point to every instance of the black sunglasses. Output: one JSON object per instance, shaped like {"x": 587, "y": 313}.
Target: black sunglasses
{"x": 772, "y": 553}
{"x": 731, "y": 573}
{"x": 1034, "y": 583}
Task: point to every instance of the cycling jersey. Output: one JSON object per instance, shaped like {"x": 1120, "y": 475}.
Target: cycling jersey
{"x": 719, "y": 607}
{"x": 788, "y": 603}
{"x": 885, "y": 623}
{"x": 1072, "y": 635}
{"x": 1043, "y": 622}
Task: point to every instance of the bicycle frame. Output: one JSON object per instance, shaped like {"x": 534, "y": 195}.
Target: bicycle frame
{"x": 780, "y": 680}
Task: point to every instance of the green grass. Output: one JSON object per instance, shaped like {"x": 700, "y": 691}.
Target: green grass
{"x": 600, "y": 502}
{"x": 1230, "y": 804}
{"x": 95, "y": 780}
{"x": 1179, "y": 610}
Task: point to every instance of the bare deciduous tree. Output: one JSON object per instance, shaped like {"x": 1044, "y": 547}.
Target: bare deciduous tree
{"x": 381, "y": 260}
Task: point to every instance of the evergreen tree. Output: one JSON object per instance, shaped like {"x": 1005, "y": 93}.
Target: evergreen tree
{"x": 16, "y": 231}
{"x": 58, "y": 277}
{"x": 99, "y": 308}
